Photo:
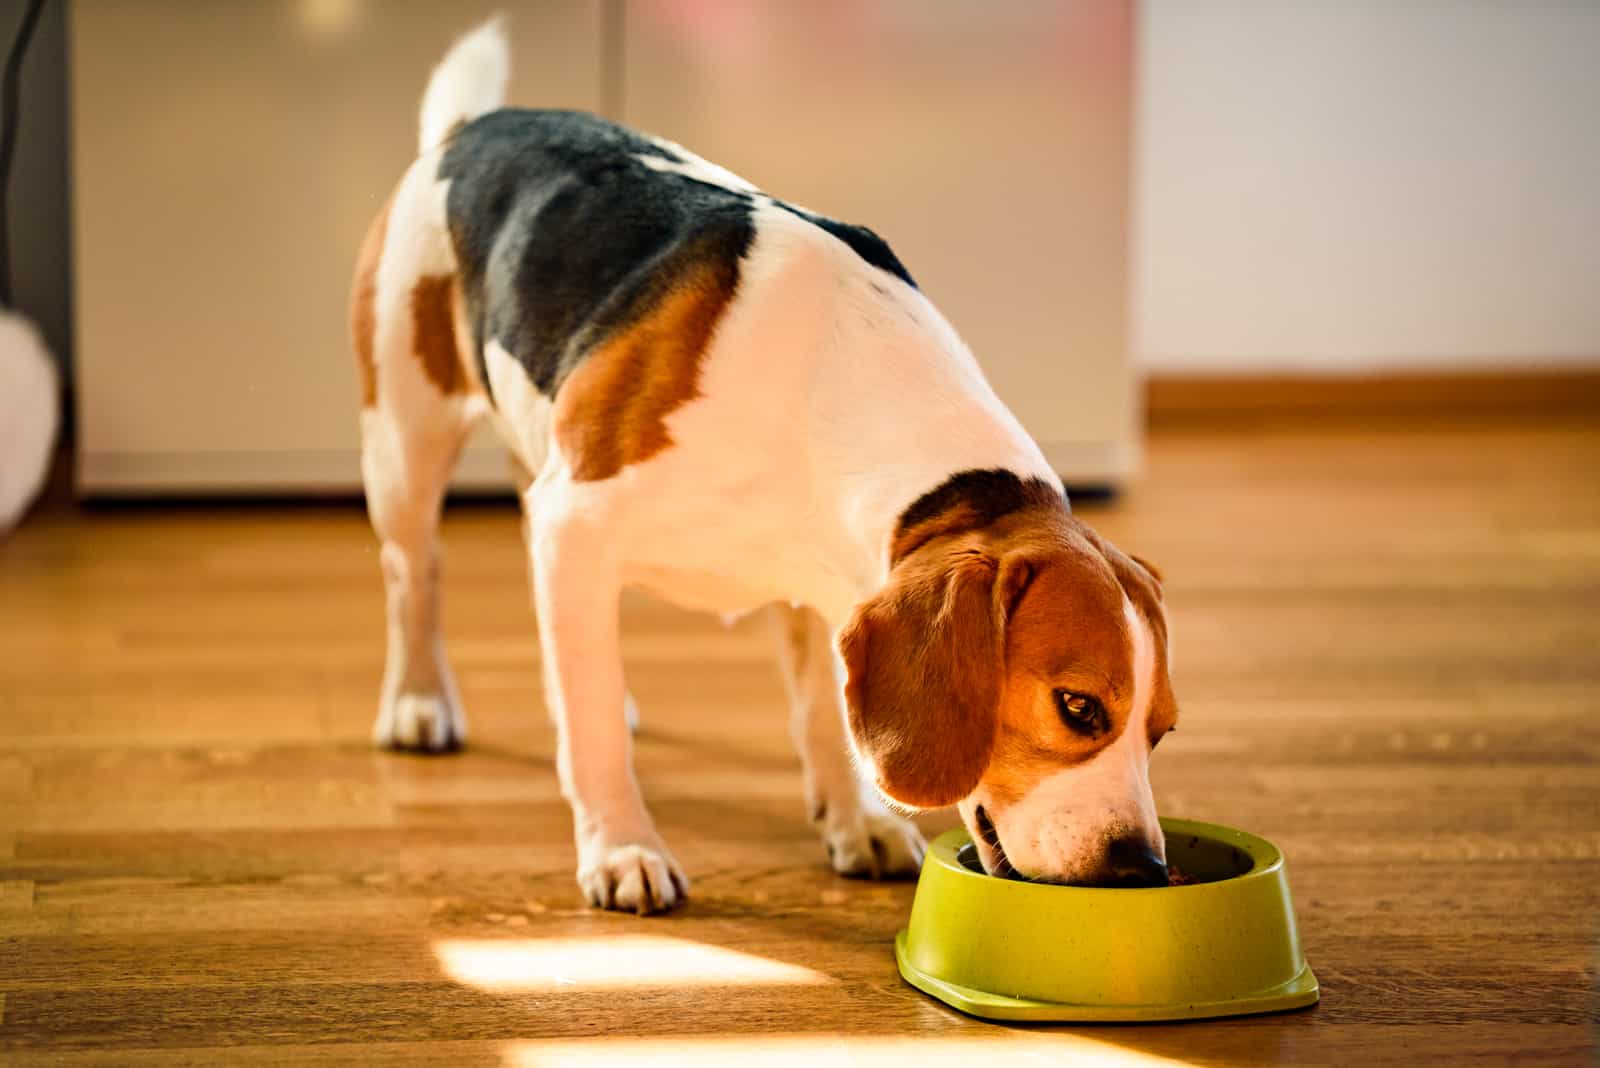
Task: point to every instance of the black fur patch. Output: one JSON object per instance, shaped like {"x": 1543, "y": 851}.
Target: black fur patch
{"x": 989, "y": 494}
{"x": 866, "y": 244}
{"x": 562, "y": 233}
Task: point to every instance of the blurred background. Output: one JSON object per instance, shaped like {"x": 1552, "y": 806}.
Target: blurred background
{"x": 1093, "y": 192}
{"x": 1312, "y": 287}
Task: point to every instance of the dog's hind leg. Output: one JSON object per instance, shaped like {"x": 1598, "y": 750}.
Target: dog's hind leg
{"x": 417, "y": 407}
{"x": 405, "y": 473}
{"x": 862, "y": 837}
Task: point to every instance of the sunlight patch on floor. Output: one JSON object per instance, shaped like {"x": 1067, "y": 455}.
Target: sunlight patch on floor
{"x": 602, "y": 963}
{"x": 812, "y": 1051}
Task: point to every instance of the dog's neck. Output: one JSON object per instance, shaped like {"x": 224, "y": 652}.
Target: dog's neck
{"x": 913, "y": 430}
{"x": 971, "y": 501}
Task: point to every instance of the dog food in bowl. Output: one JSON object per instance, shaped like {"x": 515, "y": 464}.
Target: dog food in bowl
{"x": 1191, "y": 859}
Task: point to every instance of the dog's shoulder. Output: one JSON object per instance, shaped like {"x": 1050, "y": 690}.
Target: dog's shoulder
{"x": 567, "y": 227}
{"x": 862, "y": 241}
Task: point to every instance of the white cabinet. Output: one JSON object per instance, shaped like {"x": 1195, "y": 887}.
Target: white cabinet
{"x": 228, "y": 157}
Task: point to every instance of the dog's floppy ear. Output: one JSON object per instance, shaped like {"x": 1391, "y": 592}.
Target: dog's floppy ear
{"x": 1142, "y": 583}
{"x": 1148, "y": 566}
{"x": 925, "y": 660}
{"x": 1137, "y": 576}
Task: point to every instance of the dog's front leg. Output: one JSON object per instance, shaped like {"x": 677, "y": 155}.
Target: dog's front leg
{"x": 622, "y": 862}
{"x": 862, "y": 837}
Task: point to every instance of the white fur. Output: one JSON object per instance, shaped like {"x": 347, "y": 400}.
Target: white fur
{"x": 521, "y": 414}
{"x": 1061, "y": 828}
{"x": 848, "y": 382}
{"x": 469, "y": 81}
{"x": 409, "y": 442}
{"x": 692, "y": 166}
{"x": 29, "y": 416}
{"x": 831, "y": 396}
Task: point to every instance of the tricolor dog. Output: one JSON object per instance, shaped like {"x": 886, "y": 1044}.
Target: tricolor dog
{"x": 735, "y": 402}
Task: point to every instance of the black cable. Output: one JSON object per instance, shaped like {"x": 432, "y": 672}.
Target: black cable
{"x": 10, "y": 105}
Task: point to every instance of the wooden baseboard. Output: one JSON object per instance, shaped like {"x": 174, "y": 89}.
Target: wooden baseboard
{"x": 1203, "y": 398}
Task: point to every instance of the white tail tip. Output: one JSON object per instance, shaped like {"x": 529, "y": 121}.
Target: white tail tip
{"x": 469, "y": 81}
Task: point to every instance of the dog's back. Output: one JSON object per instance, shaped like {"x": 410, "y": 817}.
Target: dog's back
{"x": 567, "y": 235}
{"x": 563, "y": 230}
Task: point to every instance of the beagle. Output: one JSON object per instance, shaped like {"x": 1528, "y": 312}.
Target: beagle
{"x": 735, "y": 402}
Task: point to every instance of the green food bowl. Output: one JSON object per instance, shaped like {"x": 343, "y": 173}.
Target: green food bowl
{"x": 1224, "y": 944}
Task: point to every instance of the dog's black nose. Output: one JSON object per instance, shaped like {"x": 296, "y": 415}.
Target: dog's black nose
{"x": 1132, "y": 862}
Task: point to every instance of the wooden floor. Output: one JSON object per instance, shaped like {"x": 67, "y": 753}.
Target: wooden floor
{"x": 1386, "y": 653}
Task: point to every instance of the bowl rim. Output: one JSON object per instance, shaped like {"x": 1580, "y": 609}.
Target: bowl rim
{"x": 1266, "y": 859}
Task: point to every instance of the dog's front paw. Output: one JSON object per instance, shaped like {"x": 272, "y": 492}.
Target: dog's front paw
{"x": 427, "y": 723}
{"x": 874, "y": 845}
{"x": 639, "y": 878}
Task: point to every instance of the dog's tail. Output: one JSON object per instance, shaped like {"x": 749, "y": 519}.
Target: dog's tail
{"x": 469, "y": 81}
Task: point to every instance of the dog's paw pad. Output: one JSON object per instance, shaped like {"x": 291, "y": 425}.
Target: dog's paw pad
{"x": 876, "y": 846}
{"x": 425, "y": 723}
{"x": 634, "y": 878}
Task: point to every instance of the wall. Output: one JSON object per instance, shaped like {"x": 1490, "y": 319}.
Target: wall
{"x": 228, "y": 157}
{"x": 1367, "y": 185}
{"x": 212, "y": 268}
{"x": 1352, "y": 185}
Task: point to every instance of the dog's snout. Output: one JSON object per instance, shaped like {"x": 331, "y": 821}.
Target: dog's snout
{"x": 1131, "y": 862}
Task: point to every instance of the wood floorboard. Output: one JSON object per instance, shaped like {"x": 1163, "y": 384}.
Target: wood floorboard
{"x": 1387, "y": 653}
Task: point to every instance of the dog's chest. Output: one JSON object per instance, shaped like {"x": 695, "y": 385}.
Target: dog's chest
{"x": 729, "y": 555}
{"x": 701, "y": 590}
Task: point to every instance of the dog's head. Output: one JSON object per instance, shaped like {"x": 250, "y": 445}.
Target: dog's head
{"x": 1018, "y": 669}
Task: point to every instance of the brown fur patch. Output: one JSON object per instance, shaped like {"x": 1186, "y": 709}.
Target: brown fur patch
{"x": 1142, "y": 583}
{"x": 434, "y": 303}
{"x": 924, "y": 661}
{"x": 1068, "y": 633}
{"x": 953, "y": 668}
{"x": 957, "y": 518}
{"x": 363, "y": 298}
{"x": 968, "y": 501}
{"x": 611, "y": 411}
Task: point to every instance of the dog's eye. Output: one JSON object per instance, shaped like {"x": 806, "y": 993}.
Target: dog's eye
{"x": 1082, "y": 713}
